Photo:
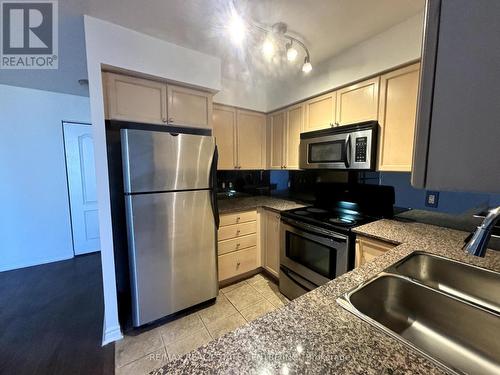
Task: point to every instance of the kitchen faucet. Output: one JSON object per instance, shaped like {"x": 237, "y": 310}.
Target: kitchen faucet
{"x": 479, "y": 241}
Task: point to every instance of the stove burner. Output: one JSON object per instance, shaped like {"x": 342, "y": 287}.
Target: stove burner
{"x": 316, "y": 210}
{"x": 340, "y": 220}
{"x": 301, "y": 213}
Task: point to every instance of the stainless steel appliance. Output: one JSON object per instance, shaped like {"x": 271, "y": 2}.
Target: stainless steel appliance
{"x": 317, "y": 244}
{"x": 349, "y": 147}
{"x": 172, "y": 220}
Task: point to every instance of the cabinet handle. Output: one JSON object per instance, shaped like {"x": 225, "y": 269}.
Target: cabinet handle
{"x": 164, "y": 119}
{"x": 238, "y": 219}
{"x": 237, "y": 264}
{"x": 237, "y": 232}
{"x": 237, "y": 245}
{"x": 170, "y": 119}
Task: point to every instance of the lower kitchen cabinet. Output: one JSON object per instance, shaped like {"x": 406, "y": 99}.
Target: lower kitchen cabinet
{"x": 237, "y": 263}
{"x": 368, "y": 249}
{"x": 271, "y": 236}
{"x": 238, "y": 245}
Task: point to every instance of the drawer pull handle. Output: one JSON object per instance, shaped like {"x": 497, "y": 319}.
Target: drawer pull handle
{"x": 238, "y": 219}
{"x": 238, "y": 264}
{"x": 238, "y": 232}
{"x": 237, "y": 245}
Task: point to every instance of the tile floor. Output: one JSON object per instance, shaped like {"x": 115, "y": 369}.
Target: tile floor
{"x": 236, "y": 305}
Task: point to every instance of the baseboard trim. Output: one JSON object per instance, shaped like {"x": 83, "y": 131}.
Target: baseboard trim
{"x": 111, "y": 335}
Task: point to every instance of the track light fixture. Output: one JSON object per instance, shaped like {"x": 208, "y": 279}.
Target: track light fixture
{"x": 274, "y": 35}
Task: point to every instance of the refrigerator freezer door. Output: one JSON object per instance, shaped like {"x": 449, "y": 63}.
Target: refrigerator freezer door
{"x": 172, "y": 250}
{"x": 162, "y": 161}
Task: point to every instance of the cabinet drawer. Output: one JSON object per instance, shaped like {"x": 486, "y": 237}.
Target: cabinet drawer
{"x": 237, "y": 217}
{"x": 237, "y": 263}
{"x": 238, "y": 243}
{"x": 237, "y": 230}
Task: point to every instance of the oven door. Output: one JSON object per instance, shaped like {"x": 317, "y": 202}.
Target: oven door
{"x": 313, "y": 253}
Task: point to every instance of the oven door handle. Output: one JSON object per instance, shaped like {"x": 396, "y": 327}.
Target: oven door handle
{"x": 291, "y": 275}
{"x": 347, "y": 154}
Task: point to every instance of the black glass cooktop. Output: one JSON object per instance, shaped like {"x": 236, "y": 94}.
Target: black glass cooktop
{"x": 340, "y": 217}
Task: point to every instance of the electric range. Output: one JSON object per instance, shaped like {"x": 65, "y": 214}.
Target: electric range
{"x": 317, "y": 243}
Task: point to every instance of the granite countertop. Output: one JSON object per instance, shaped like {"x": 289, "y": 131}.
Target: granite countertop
{"x": 251, "y": 203}
{"x": 314, "y": 335}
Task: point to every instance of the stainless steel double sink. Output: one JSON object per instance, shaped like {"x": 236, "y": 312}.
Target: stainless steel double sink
{"x": 447, "y": 310}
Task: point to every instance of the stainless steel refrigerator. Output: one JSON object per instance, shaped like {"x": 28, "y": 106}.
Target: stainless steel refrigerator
{"x": 172, "y": 219}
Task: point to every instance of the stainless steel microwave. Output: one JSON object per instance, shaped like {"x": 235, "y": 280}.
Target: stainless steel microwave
{"x": 344, "y": 147}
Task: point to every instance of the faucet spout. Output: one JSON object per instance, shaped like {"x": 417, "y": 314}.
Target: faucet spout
{"x": 479, "y": 241}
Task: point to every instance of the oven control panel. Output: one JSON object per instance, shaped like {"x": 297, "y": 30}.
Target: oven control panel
{"x": 360, "y": 149}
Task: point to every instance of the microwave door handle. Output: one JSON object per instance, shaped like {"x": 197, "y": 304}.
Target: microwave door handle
{"x": 347, "y": 154}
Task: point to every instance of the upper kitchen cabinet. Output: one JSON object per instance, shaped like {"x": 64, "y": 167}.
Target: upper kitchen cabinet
{"x": 358, "y": 102}
{"x": 251, "y": 139}
{"x": 320, "y": 112}
{"x": 398, "y": 107}
{"x": 457, "y": 129}
{"x": 135, "y": 99}
{"x": 224, "y": 131}
{"x": 277, "y": 123}
{"x": 284, "y": 131}
{"x": 295, "y": 121}
{"x": 154, "y": 102}
{"x": 188, "y": 107}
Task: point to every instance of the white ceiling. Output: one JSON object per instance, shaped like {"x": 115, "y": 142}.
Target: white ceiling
{"x": 326, "y": 26}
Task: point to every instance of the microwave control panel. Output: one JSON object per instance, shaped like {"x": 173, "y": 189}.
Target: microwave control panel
{"x": 360, "y": 149}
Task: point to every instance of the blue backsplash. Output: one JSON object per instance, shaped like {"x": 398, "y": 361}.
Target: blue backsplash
{"x": 449, "y": 202}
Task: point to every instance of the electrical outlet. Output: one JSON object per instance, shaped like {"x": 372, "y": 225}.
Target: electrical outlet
{"x": 432, "y": 199}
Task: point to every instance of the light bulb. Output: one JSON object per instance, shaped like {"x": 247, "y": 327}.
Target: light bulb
{"x": 307, "y": 67}
{"x": 236, "y": 28}
{"x": 291, "y": 53}
{"x": 268, "y": 49}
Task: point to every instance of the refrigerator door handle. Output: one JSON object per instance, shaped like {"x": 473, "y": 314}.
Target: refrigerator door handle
{"x": 213, "y": 186}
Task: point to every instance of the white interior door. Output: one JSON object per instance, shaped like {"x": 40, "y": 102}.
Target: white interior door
{"x": 79, "y": 146}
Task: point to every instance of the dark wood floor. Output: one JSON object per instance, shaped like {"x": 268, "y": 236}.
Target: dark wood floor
{"x": 51, "y": 319}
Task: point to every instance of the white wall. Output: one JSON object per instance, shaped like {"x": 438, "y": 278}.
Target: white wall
{"x": 249, "y": 94}
{"x": 395, "y": 46}
{"x": 117, "y": 46}
{"x": 35, "y": 225}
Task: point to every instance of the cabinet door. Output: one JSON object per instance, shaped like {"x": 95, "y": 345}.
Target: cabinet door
{"x": 135, "y": 99}
{"x": 295, "y": 120}
{"x": 272, "y": 242}
{"x": 224, "y": 131}
{"x": 368, "y": 249}
{"x": 398, "y": 108}
{"x": 358, "y": 102}
{"x": 188, "y": 107}
{"x": 320, "y": 112}
{"x": 251, "y": 145}
{"x": 277, "y": 140}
